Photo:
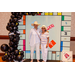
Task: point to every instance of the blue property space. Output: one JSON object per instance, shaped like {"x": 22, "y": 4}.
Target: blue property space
{"x": 30, "y": 51}
{"x": 61, "y": 46}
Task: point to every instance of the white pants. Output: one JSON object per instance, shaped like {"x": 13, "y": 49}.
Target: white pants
{"x": 37, "y": 51}
{"x": 44, "y": 52}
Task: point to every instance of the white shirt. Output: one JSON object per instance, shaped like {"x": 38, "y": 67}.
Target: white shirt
{"x": 44, "y": 37}
{"x": 33, "y": 37}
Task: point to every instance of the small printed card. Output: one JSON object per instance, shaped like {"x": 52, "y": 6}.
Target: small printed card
{"x": 67, "y": 56}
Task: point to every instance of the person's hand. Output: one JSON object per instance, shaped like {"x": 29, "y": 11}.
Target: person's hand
{"x": 47, "y": 46}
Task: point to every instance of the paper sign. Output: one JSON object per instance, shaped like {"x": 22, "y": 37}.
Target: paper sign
{"x": 52, "y": 43}
{"x": 50, "y": 26}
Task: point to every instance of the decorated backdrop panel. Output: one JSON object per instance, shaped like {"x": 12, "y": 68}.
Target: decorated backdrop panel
{"x": 59, "y": 24}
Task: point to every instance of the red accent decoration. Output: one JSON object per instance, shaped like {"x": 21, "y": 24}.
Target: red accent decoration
{"x": 39, "y": 14}
{"x": 50, "y": 26}
{"x": 52, "y": 43}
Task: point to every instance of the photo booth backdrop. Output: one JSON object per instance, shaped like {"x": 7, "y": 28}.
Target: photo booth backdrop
{"x": 60, "y": 33}
{"x": 65, "y": 21}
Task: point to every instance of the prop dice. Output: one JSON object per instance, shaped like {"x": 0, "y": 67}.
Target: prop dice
{"x": 50, "y": 26}
{"x": 52, "y": 43}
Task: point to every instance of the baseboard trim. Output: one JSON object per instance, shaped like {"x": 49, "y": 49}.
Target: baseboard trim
{"x": 4, "y": 37}
{"x": 7, "y": 37}
{"x": 72, "y": 38}
{"x": 1, "y": 54}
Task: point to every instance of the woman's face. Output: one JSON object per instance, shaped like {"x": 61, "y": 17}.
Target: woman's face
{"x": 43, "y": 29}
{"x": 35, "y": 26}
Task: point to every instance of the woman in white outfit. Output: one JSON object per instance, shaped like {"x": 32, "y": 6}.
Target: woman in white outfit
{"x": 34, "y": 40}
{"x": 44, "y": 42}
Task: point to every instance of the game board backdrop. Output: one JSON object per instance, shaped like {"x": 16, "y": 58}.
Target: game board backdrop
{"x": 60, "y": 33}
{"x": 4, "y": 18}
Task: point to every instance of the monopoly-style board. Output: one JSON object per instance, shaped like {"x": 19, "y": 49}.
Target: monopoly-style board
{"x": 59, "y": 33}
